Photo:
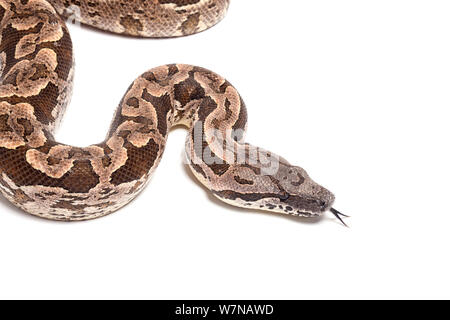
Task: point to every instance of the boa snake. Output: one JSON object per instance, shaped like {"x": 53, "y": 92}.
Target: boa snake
{"x": 61, "y": 182}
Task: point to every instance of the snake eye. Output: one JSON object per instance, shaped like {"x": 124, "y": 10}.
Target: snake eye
{"x": 284, "y": 196}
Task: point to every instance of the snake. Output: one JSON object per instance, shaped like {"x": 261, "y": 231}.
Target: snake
{"x": 56, "y": 181}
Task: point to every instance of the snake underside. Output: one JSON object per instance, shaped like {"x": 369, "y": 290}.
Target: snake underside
{"x": 61, "y": 182}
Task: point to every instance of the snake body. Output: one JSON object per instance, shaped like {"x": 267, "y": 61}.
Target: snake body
{"x": 61, "y": 182}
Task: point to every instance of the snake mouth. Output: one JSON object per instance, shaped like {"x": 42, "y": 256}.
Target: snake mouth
{"x": 324, "y": 205}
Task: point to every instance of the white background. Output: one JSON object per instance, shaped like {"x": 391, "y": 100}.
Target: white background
{"x": 356, "y": 92}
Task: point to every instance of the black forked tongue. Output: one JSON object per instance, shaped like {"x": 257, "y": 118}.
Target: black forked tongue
{"x": 338, "y": 215}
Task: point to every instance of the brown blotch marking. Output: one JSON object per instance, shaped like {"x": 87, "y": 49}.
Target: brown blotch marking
{"x": 142, "y": 120}
{"x": 106, "y": 191}
{"x": 133, "y": 102}
{"x": 81, "y": 178}
{"x": 163, "y": 106}
{"x": 43, "y": 104}
{"x": 3, "y": 182}
{"x": 198, "y": 169}
{"x": 53, "y": 160}
{"x": 190, "y": 25}
{"x": 4, "y": 126}
{"x": 283, "y": 193}
{"x": 207, "y": 106}
{"x": 40, "y": 72}
{"x": 106, "y": 159}
{"x": 299, "y": 182}
{"x": 27, "y": 126}
{"x": 124, "y": 134}
{"x": 131, "y": 25}
{"x": 232, "y": 195}
{"x": 12, "y": 78}
{"x": 79, "y": 152}
{"x": 107, "y": 150}
{"x": 150, "y": 76}
{"x": 173, "y": 69}
{"x": 94, "y": 14}
{"x": 105, "y": 205}
{"x": 2, "y": 13}
{"x": 224, "y": 86}
{"x": 139, "y": 162}
{"x": 218, "y": 166}
{"x": 74, "y": 198}
{"x": 179, "y": 3}
{"x": 49, "y": 193}
{"x": 188, "y": 91}
{"x": 243, "y": 181}
{"x": 21, "y": 197}
{"x": 69, "y": 206}
{"x": 107, "y": 196}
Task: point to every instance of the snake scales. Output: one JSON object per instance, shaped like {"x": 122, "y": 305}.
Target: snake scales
{"x": 61, "y": 182}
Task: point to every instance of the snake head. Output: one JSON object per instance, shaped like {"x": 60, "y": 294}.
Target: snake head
{"x": 299, "y": 194}
{"x": 288, "y": 190}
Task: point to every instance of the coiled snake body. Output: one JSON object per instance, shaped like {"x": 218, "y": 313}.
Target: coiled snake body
{"x": 60, "y": 182}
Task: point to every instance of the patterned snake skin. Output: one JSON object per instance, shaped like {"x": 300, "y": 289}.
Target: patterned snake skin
{"x": 60, "y": 182}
